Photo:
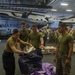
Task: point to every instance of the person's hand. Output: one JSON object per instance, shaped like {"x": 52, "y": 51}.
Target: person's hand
{"x": 67, "y": 61}
{"x": 30, "y": 45}
{"x": 25, "y": 52}
{"x": 42, "y": 46}
{"x": 55, "y": 60}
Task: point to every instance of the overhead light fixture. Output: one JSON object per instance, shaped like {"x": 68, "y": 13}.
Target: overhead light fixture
{"x": 64, "y": 4}
{"x": 69, "y": 10}
{"x": 53, "y": 9}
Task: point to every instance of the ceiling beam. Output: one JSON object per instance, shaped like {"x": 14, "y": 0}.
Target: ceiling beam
{"x": 25, "y": 5}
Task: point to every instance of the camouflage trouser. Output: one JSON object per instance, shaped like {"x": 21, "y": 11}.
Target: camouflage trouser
{"x": 61, "y": 67}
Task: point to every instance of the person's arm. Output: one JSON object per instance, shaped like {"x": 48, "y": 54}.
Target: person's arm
{"x": 25, "y": 43}
{"x": 14, "y": 49}
{"x": 57, "y": 49}
{"x": 70, "y": 53}
{"x": 42, "y": 42}
{"x": 28, "y": 38}
{"x": 17, "y": 51}
{"x": 70, "y": 50}
{"x": 70, "y": 42}
{"x": 56, "y": 54}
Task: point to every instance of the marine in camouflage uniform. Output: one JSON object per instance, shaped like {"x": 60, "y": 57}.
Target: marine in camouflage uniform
{"x": 64, "y": 51}
{"x": 23, "y": 34}
{"x": 36, "y": 38}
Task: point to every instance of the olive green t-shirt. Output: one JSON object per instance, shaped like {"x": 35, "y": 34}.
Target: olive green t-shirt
{"x": 10, "y": 42}
{"x": 64, "y": 43}
{"x": 24, "y": 35}
{"x": 35, "y": 39}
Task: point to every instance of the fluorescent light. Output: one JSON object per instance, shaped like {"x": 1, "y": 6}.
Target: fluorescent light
{"x": 53, "y": 9}
{"x": 64, "y": 4}
{"x": 69, "y": 10}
